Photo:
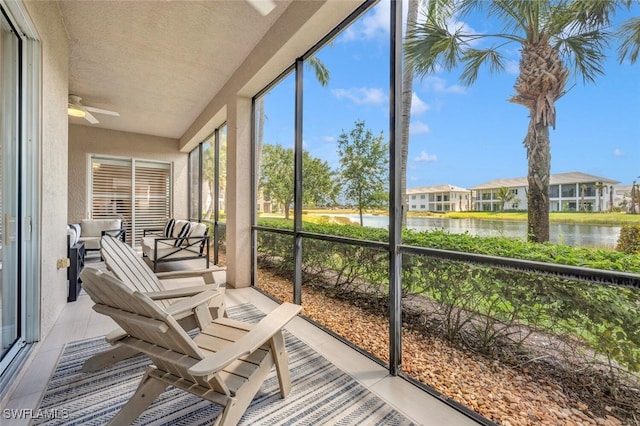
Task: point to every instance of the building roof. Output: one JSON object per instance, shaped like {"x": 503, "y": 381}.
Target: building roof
{"x": 622, "y": 188}
{"x": 436, "y": 188}
{"x": 555, "y": 179}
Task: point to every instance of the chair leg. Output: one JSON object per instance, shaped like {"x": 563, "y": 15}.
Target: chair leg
{"x": 236, "y": 407}
{"x": 281, "y": 359}
{"x": 107, "y": 358}
{"x": 148, "y": 390}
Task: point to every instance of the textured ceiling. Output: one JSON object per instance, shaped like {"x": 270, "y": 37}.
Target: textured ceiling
{"x": 157, "y": 63}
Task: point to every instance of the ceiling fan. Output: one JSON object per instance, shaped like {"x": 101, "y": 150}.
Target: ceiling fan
{"x": 76, "y": 109}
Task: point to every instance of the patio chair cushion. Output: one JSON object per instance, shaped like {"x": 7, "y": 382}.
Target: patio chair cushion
{"x": 183, "y": 233}
{"x": 198, "y": 229}
{"x": 94, "y": 227}
{"x": 168, "y": 228}
{"x": 178, "y": 240}
{"x": 177, "y": 227}
{"x": 89, "y": 231}
{"x": 73, "y": 233}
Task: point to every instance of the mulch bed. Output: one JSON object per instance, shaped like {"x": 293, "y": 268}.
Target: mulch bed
{"x": 534, "y": 394}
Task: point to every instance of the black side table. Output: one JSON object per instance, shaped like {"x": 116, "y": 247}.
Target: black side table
{"x": 76, "y": 257}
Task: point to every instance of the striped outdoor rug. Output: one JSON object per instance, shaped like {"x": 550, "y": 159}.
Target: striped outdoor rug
{"x": 321, "y": 393}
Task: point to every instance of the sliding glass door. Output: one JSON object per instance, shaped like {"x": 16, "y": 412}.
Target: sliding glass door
{"x": 11, "y": 318}
{"x": 137, "y": 191}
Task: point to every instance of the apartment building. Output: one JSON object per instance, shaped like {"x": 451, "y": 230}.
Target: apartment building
{"x": 439, "y": 198}
{"x": 572, "y": 191}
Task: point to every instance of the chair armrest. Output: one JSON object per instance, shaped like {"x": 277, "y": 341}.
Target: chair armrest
{"x": 180, "y": 292}
{"x": 249, "y": 343}
{"x": 151, "y": 230}
{"x": 206, "y": 274}
{"x": 116, "y": 335}
{"x": 119, "y": 233}
{"x": 192, "y": 302}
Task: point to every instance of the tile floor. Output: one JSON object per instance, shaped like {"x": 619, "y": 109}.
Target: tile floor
{"x": 79, "y": 321}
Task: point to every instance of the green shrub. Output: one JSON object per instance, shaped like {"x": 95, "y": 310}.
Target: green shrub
{"x": 479, "y": 305}
{"x": 629, "y": 239}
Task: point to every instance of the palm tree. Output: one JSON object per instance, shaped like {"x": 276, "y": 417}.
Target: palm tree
{"x": 553, "y": 36}
{"x": 407, "y": 97}
{"x": 600, "y": 186}
{"x": 505, "y": 196}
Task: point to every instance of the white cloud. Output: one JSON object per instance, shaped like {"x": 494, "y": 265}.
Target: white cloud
{"x": 618, "y": 152}
{"x": 417, "y": 105}
{"x": 362, "y": 95}
{"x": 413, "y": 179}
{"x": 439, "y": 85}
{"x": 374, "y": 24}
{"x": 429, "y": 158}
{"x": 329, "y": 139}
{"x": 418, "y": 128}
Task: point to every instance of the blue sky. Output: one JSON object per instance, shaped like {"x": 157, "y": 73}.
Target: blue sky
{"x": 460, "y": 135}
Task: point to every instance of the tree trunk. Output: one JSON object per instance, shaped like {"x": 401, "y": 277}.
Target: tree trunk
{"x": 407, "y": 96}
{"x": 610, "y": 198}
{"x": 539, "y": 158}
{"x": 211, "y": 209}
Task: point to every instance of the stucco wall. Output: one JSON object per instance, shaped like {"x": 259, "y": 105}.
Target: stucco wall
{"x": 53, "y": 195}
{"x": 85, "y": 141}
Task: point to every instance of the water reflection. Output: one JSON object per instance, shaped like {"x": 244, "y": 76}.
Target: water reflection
{"x": 599, "y": 236}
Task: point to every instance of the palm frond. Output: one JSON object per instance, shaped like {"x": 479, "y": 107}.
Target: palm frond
{"x": 430, "y": 45}
{"x": 629, "y": 34}
{"x": 520, "y": 16}
{"x": 584, "y": 53}
{"x": 440, "y": 10}
{"x": 321, "y": 71}
{"x": 589, "y": 15}
{"x": 474, "y": 59}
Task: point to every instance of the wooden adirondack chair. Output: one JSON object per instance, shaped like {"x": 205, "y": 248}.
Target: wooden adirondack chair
{"x": 225, "y": 363}
{"x": 131, "y": 269}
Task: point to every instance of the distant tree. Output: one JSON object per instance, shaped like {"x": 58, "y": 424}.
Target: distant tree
{"x": 610, "y": 198}
{"x": 208, "y": 176}
{"x": 505, "y": 196}
{"x": 600, "y": 186}
{"x": 277, "y": 174}
{"x": 363, "y": 173}
{"x": 583, "y": 205}
{"x": 553, "y": 36}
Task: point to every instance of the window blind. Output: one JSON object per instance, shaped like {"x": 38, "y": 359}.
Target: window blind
{"x": 138, "y": 191}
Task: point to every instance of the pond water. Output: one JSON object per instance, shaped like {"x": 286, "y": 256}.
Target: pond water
{"x": 578, "y": 235}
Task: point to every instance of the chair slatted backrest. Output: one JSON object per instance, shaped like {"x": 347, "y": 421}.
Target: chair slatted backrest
{"x": 146, "y": 322}
{"x": 127, "y": 265}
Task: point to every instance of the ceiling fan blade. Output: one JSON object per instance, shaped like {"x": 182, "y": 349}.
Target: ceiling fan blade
{"x": 264, "y": 7}
{"x": 101, "y": 111}
{"x": 90, "y": 118}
